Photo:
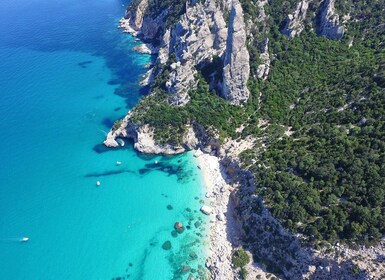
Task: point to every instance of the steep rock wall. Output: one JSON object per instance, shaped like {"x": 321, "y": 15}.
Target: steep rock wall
{"x": 294, "y": 22}
{"x": 329, "y": 21}
{"x": 236, "y": 68}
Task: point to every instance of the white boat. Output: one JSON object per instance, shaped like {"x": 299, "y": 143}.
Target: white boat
{"x": 118, "y": 163}
{"x": 98, "y": 183}
{"x": 24, "y": 239}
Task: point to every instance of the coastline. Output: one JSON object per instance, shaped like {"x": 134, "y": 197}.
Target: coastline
{"x": 222, "y": 224}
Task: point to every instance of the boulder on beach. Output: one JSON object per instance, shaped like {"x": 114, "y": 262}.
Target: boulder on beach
{"x": 206, "y": 210}
{"x": 179, "y": 227}
{"x": 220, "y": 216}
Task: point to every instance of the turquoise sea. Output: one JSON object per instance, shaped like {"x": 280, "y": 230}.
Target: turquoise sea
{"x": 66, "y": 74}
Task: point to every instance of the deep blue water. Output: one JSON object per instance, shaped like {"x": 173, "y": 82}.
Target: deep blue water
{"x": 62, "y": 64}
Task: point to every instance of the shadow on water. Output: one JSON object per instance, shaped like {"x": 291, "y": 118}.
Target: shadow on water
{"x": 180, "y": 168}
{"x": 84, "y": 64}
{"x": 109, "y": 173}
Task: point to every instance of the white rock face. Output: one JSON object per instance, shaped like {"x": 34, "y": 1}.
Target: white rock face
{"x": 264, "y": 68}
{"x": 136, "y": 16}
{"x": 294, "y": 22}
{"x": 144, "y": 141}
{"x": 138, "y": 24}
{"x": 329, "y": 21}
{"x": 197, "y": 38}
{"x": 236, "y": 68}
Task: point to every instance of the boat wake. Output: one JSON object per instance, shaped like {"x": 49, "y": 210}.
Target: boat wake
{"x": 15, "y": 239}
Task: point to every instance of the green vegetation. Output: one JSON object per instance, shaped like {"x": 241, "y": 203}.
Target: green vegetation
{"x": 116, "y": 125}
{"x": 327, "y": 180}
{"x": 205, "y": 108}
{"x": 240, "y": 260}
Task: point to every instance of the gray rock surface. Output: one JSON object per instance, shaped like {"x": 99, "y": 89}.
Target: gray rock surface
{"x": 264, "y": 68}
{"x": 294, "y": 22}
{"x": 198, "y": 37}
{"x": 329, "y": 21}
{"x": 139, "y": 24}
{"x": 236, "y": 68}
{"x": 136, "y": 16}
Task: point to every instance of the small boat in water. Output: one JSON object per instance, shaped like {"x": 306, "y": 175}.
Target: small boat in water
{"x": 98, "y": 183}
{"x": 118, "y": 163}
{"x": 24, "y": 239}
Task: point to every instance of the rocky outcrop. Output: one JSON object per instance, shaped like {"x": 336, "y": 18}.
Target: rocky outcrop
{"x": 294, "y": 23}
{"x": 135, "y": 16}
{"x": 138, "y": 23}
{"x": 198, "y": 37}
{"x": 264, "y": 68}
{"x": 329, "y": 21}
{"x": 236, "y": 68}
{"x": 144, "y": 141}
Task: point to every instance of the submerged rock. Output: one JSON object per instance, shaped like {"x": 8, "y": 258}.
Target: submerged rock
{"x": 193, "y": 255}
{"x": 185, "y": 268}
{"x": 166, "y": 245}
{"x": 179, "y": 227}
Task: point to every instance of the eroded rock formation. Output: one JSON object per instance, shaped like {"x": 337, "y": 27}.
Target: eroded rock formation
{"x": 236, "y": 61}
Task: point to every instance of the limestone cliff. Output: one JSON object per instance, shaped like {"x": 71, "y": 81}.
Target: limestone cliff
{"x": 329, "y": 21}
{"x": 196, "y": 39}
{"x": 294, "y": 23}
{"x": 236, "y": 61}
{"x": 193, "y": 41}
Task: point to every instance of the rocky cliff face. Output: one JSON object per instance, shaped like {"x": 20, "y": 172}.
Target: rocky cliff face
{"x": 196, "y": 39}
{"x": 144, "y": 140}
{"x": 200, "y": 35}
{"x": 139, "y": 23}
{"x": 326, "y": 19}
{"x": 294, "y": 22}
{"x": 329, "y": 21}
{"x": 264, "y": 68}
{"x": 236, "y": 61}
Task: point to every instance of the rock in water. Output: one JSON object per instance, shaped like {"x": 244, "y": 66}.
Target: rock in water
{"x": 206, "y": 210}
{"x": 185, "y": 268}
{"x": 179, "y": 227}
{"x": 166, "y": 245}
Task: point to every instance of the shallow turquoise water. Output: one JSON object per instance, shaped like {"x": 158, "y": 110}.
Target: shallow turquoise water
{"x": 61, "y": 62}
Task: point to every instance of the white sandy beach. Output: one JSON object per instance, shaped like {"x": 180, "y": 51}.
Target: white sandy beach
{"x": 222, "y": 224}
